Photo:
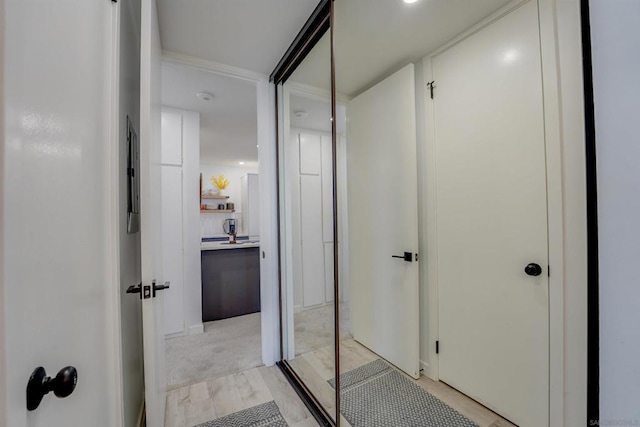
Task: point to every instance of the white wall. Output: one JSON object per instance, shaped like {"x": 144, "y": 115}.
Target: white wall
{"x": 130, "y": 309}
{"x": 211, "y": 223}
{"x": 616, "y": 67}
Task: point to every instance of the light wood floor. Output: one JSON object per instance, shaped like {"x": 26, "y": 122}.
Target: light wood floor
{"x": 205, "y": 401}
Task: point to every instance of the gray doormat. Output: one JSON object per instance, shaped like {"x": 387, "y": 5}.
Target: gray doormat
{"x": 376, "y": 395}
{"x": 265, "y": 415}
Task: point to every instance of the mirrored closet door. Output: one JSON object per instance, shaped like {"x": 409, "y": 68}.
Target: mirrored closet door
{"x": 307, "y": 284}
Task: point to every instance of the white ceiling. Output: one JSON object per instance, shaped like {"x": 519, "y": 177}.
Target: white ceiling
{"x": 374, "y": 38}
{"x": 228, "y": 123}
{"x": 249, "y": 34}
{"x": 318, "y": 114}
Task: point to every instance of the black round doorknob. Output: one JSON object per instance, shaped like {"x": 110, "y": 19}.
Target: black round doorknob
{"x": 533, "y": 269}
{"x": 40, "y": 384}
{"x": 65, "y": 382}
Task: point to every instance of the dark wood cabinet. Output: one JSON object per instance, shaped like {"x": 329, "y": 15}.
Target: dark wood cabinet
{"x": 230, "y": 283}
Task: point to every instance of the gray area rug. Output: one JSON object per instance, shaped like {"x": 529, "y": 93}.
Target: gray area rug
{"x": 265, "y": 415}
{"x": 376, "y": 395}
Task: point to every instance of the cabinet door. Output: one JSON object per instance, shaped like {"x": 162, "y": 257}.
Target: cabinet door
{"x": 310, "y": 154}
{"x": 172, "y": 259}
{"x": 312, "y": 246}
{"x": 171, "y": 140}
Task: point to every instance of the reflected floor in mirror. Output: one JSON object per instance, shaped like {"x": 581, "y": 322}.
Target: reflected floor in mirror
{"x": 316, "y": 369}
{"x": 314, "y": 327}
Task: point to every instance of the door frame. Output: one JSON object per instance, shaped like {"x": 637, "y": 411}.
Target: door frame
{"x": 3, "y": 338}
{"x": 563, "y": 93}
{"x": 267, "y": 168}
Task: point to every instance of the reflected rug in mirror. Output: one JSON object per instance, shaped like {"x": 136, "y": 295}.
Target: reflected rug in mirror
{"x": 377, "y": 395}
{"x": 265, "y": 415}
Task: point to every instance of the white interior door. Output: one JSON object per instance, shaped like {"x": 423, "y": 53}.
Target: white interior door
{"x": 150, "y": 217}
{"x": 383, "y": 220}
{"x": 58, "y": 288}
{"x": 492, "y": 218}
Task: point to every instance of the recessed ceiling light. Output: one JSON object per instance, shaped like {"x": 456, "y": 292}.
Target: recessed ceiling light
{"x": 205, "y": 96}
{"x": 301, "y": 114}
{"x": 242, "y": 163}
{"x": 410, "y": 1}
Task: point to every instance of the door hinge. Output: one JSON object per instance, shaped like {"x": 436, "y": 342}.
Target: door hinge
{"x": 431, "y": 85}
{"x": 548, "y": 270}
{"x": 437, "y": 347}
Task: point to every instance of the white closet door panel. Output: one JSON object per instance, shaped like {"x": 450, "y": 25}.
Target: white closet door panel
{"x": 492, "y": 218}
{"x": 327, "y": 190}
{"x": 171, "y": 145}
{"x": 172, "y": 259}
{"x": 310, "y": 154}
{"x": 328, "y": 272}
{"x": 312, "y": 246}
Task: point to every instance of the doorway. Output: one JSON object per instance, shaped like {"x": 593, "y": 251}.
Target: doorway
{"x": 211, "y": 226}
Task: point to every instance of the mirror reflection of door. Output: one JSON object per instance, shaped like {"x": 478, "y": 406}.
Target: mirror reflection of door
{"x": 446, "y": 229}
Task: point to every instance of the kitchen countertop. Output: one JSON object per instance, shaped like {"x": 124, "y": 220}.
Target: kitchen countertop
{"x": 217, "y": 246}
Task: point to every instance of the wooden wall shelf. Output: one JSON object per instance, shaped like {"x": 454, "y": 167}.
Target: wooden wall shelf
{"x": 216, "y": 211}
{"x": 214, "y": 197}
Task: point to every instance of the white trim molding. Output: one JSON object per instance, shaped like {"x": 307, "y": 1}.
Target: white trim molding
{"x": 212, "y": 66}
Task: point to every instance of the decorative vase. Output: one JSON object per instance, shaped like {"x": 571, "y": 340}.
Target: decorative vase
{"x": 221, "y": 192}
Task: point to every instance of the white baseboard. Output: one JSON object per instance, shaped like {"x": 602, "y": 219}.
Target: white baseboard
{"x": 196, "y": 329}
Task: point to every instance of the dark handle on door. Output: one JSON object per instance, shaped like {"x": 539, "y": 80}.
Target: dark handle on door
{"x": 533, "y": 269}
{"x": 40, "y": 384}
{"x": 408, "y": 256}
{"x": 134, "y": 289}
{"x": 160, "y": 287}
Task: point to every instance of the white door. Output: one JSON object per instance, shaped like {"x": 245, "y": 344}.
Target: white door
{"x": 58, "y": 226}
{"x": 150, "y": 217}
{"x": 383, "y": 220}
{"x": 492, "y": 218}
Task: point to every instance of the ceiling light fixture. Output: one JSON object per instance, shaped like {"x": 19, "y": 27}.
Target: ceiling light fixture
{"x": 205, "y": 96}
{"x": 301, "y": 114}
{"x": 242, "y": 163}
{"x": 410, "y": 1}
